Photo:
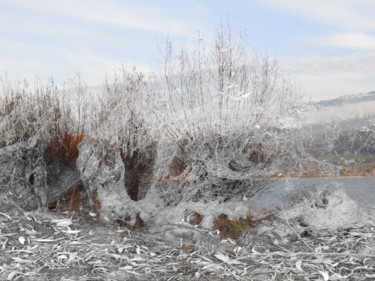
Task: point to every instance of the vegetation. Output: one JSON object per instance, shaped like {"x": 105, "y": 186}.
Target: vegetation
{"x": 190, "y": 145}
{"x": 224, "y": 114}
{"x": 348, "y": 145}
{"x": 227, "y": 107}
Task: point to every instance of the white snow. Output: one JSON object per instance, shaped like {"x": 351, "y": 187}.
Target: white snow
{"x": 153, "y": 210}
{"x": 340, "y": 211}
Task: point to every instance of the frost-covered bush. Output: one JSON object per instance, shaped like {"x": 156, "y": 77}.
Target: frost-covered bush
{"x": 122, "y": 122}
{"x": 26, "y": 113}
{"x": 230, "y": 111}
{"x": 225, "y": 115}
{"x": 123, "y": 113}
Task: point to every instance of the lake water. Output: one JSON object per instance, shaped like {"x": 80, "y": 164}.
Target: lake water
{"x": 281, "y": 192}
{"x": 322, "y": 203}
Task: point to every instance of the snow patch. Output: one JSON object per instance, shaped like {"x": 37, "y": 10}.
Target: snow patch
{"x": 328, "y": 209}
{"x": 154, "y": 212}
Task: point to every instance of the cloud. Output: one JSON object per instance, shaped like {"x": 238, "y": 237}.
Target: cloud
{"x": 350, "y": 40}
{"x": 348, "y": 25}
{"x": 127, "y": 14}
{"x": 45, "y": 61}
{"x": 321, "y": 64}
{"x": 345, "y": 24}
{"x": 44, "y": 38}
{"x": 347, "y": 14}
{"x": 329, "y": 77}
{"x": 61, "y": 37}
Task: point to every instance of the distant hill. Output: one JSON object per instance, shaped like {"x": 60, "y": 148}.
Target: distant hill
{"x": 342, "y": 108}
{"x": 347, "y": 99}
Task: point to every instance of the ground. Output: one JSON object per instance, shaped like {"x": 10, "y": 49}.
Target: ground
{"x": 53, "y": 246}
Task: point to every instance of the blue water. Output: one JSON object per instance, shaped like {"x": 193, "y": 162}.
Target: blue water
{"x": 280, "y": 192}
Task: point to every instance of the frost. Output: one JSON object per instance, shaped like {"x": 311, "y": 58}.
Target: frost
{"x": 22, "y": 240}
{"x": 325, "y": 275}
{"x": 328, "y": 210}
{"x": 153, "y": 209}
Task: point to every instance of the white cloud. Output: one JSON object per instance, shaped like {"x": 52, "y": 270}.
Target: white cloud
{"x": 44, "y": 38}
{"x": 126, "y": 14}
{"x": 348, "y": 14}
{"x": 61, "y": 37}
{"x": 329, "y": 77}
{"x": 46, "y": 61}
{"x": 350, "y": 40}
{"x": 349, "y": 24}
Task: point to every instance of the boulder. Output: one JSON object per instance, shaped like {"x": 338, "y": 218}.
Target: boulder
{"x": 102, "y": 173}
{"x": 29, "y": 180}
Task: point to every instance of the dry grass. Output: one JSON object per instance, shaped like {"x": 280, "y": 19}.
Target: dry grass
{"x": 64, "y": 148}
{"x": 24, "y": 115}
{"x": 47, "y": 246}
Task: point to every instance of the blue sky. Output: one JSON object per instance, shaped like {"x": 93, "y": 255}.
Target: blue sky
{"x": 327, "y": 46}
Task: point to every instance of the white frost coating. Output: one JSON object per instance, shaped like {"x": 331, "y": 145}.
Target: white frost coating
{"x": 108, "y": 180}
{"x": 340, "y": 211}
{"x": 152, "y": 210}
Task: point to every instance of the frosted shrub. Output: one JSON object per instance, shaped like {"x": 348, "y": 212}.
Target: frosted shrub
{"x": 122, "y": 123}
{"x": 26, "y": 113}
{"x": 230, "y": 111}
{"x": 124, "y": 106}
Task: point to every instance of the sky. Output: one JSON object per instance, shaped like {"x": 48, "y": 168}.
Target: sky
{"x": 326, "y": 46}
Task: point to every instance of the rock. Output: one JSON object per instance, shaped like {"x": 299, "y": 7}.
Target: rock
{"x": 194, "y": 218}
{"x": 17, "y": 163}
{"x": 29, "y": 179}
{"x": 232, "y": 228}
{"x": 131, "y": 223}
{"x": 61, "y": 179}
{"x": 62, "y": 173}
{"x": 102, "y": 173}
{"x": 38, "y": 181}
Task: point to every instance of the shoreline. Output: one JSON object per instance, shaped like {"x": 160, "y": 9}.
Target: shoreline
{"x": 326, "y": 177}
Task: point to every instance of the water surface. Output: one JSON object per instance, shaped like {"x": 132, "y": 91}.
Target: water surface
{"x": 281, "y": 192}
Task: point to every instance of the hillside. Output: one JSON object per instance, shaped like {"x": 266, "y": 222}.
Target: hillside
{"x": 347, "y": 99}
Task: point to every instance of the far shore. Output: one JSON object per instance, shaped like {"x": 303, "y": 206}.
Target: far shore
{"x": 325, "y": 177}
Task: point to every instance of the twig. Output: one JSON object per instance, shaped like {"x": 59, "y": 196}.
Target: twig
{"x": 295, "y": 232}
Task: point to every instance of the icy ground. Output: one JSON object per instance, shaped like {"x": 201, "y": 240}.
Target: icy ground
{"x": 322, "y": 234}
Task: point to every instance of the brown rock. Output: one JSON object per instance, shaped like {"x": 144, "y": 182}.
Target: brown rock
{"x": 194, "y": 218}
{"x": 126, "y": 222}
{"x": 232, "y": 228}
